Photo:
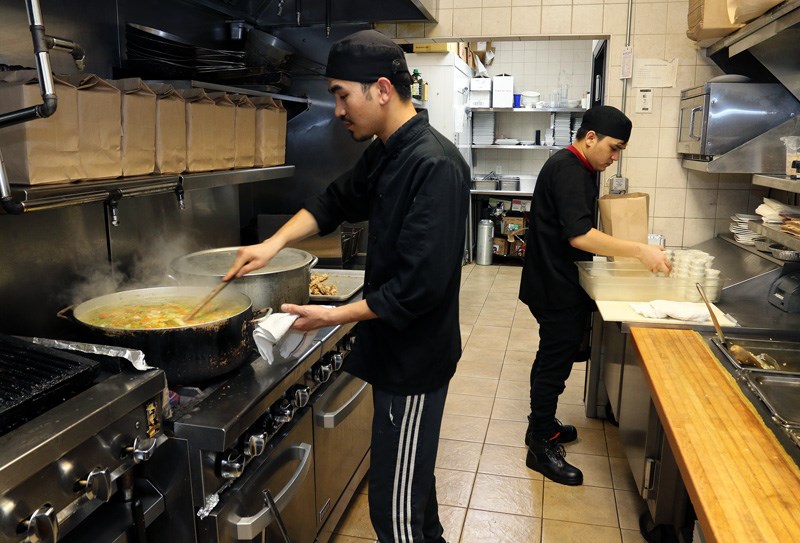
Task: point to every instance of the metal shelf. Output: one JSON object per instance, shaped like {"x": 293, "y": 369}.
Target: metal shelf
{"x": 773, "y": 232}
{"x": 518, "y": 147}
{"x": 530, "y": 109}
{"x": 50, "y": 196}
{"x": 777, "y": 182}
{"x": 764, "y": 27}
{"x": 501, "y": 193}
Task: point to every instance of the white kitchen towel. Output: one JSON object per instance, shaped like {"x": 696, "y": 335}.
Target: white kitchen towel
{"x": 276, "y": 331}
{"x": 683, "y": 311}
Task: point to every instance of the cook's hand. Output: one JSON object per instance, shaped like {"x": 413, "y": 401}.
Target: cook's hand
{"x": 251, "y": 257}
{"x": 654, "y": 258}
{"x": 310, "y": 317}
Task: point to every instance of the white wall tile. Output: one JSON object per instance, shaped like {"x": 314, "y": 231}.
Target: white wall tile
{"x": 671, "y": 229}
{"x": 496, "y": 4}
{"x": 701, "y": 204}
{"x": 702, "y": 180}
{"x": 466, "y": 22}
{"x": 650, "y": 18}
{"x": 443, "y": 28}
{"x": 614, "y": 18}
{"x": 410, "y": 30}
{"x": 556, "y": 19}
{"x": 643, "y": 142}
{"x": 730, "y": 202}
{"x": 670, "y": 202}
{"x": 496, "y": 21}
{"x": 670, "y": 173}
{"x": 666, "y": 143}
{"x": 735, "y": 181}
{"x": 587, "y": 19}
{"x": 697, "y": 231}
{"x": 641, "y": 171}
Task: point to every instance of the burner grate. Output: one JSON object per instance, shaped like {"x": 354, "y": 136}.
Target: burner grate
{"x": 34, "y": 379}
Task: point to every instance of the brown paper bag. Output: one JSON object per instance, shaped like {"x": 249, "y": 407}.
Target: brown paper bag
{"x": 43, "y": 150}
{"x": 138, "y": 126}
{"x": 200, "y": 140}
{"x": 99, "y": 127}
{"x": 270, "y": 132}
{"x": 625, "y": 216}
{"x": 245, "y": 126}
{"x": 170, "y": 152}
{"x": 224, "y": 130}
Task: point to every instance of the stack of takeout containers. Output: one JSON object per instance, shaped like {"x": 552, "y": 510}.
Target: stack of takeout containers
{"x": 631, "y": 281}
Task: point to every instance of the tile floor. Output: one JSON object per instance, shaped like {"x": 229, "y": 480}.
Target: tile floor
{"x": 485, "y": 491}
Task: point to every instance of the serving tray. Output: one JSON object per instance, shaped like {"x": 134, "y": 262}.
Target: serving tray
{"x": 348, "y": 282}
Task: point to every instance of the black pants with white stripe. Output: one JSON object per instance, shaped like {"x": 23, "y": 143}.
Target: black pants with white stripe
{"x": 402, "y": 488}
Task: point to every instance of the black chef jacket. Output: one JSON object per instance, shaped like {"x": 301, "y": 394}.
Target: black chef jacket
{"x": 562, "y": 208}
{"x": 415, "y": 192}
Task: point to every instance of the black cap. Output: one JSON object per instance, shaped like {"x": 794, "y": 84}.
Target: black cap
{"x": 364, "y": 57}
{"x": 609, "y": 121}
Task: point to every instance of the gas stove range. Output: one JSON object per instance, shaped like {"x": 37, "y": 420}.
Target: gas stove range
{"x": 81, "y": 442}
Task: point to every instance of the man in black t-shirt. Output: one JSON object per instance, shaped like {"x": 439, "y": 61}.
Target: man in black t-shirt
{"x": 561, "y": 232}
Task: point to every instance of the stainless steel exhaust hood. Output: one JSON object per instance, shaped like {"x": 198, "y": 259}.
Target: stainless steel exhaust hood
{"x": 767, "y": 50}
{"x": 276, "y": 13}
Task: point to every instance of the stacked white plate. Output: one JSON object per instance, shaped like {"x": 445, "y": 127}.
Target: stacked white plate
{"x": 561, "y": 129}
{"x": 506, "y": 141}
{"x": 739, "y": 229}
{"x": 483, "y": 128}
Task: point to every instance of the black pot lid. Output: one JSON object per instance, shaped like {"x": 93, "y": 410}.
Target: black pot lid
{"x": 216, "y": 262}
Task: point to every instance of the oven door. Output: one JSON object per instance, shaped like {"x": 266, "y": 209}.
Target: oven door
{"x": 692, "y": 125}
{"x": 287, "y": 472}
{"x": 342, "y": 429}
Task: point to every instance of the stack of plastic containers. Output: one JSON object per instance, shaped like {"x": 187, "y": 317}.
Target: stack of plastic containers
{"x": 690, "y": 266}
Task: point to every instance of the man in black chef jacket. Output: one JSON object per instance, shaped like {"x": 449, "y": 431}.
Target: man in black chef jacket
{"x": 412, "y": 185}
{"x": 561, "y": 231}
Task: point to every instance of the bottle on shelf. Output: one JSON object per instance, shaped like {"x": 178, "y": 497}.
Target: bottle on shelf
{"x": 416, "y": 85}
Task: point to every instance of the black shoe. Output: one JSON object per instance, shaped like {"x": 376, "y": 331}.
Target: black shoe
{"x": 566, "y": 433}
{"x": 547, "y": 457}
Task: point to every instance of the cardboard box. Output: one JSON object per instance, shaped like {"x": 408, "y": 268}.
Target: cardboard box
{"x": 520, "y": 205}
{"x": 170, "y": 154}
{"x": 450, "y": 47}
{"x": 480, "y": 46}
{"x": 270, "y": 132}
{"x": 224, "y": 131}
{"x": 480, "y": 92}
{"x": 44, "y": 150}
{"x": 200, "y": 129}
{"x": 138, "y": 112}
{"x": 709, "y": 19}
{"x": 245, "y": 126}
{"x": 517, "y": 248}
{"x": 513, "y": 226}
{"x": 99, "y": 127}
{"x": 463, "y": 51}
{"x": 499, "y": 246}
{"x": 503, "y": 91}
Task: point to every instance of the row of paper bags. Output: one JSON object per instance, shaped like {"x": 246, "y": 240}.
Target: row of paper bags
{"x": 106, "y": 129}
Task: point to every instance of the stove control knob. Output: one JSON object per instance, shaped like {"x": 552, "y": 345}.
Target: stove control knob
{"x": 283, "y": 411}
{"x": 232, "y": 465}
{"x": 349, "y": 343}
{"x": 322, "y": 373}
{"x": 337, "y": 359}
{"x": 41, "y": 526}
{"x": 300, "y": 395}
{"x": 269, "y": 424}
{"x": 142, "y": 449}
{"x": 96, "y": 485}
{"x": 256, "y": 445}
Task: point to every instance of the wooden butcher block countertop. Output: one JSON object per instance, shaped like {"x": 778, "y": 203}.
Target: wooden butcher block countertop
{"x": 742, "y": 483}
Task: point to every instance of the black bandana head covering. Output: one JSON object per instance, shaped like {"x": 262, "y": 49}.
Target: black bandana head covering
{"x": 365, "y": 57}
{"x": 608, "y": 121}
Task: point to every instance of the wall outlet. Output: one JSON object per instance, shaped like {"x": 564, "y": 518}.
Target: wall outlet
{"x": 644, "y": 101}
{"x": 619, "y": 185}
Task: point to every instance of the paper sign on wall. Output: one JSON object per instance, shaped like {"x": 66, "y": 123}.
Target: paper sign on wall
{"x": 655, "y": 72}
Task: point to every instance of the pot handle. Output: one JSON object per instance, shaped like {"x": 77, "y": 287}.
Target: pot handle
{"x": 67, "y": 313}
{"x": 314, "y": 260}
{"x": 259, "y": 314}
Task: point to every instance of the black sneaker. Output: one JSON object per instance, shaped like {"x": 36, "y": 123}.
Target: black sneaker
{"x": 566, "y": 433}
{"x": 547, "y": 457}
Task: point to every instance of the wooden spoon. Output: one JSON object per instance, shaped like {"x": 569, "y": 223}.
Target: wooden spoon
{"x": 204, "y": 302}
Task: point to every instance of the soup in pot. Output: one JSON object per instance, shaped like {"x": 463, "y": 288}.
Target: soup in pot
{"x": 159, "y": 314}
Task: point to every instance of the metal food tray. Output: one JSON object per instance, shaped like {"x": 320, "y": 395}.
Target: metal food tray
{"x": 780, "y": 394}
{"x": 787, "y": 353}
{"x": 347, "y": 281}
